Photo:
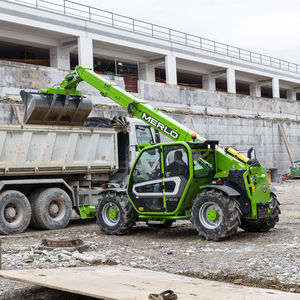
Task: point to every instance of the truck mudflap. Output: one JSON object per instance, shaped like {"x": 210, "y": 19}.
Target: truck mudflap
{"x": 49, "y": 109}
{"x": 224, "y": 188}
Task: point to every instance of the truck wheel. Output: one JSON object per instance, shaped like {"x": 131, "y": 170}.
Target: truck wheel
{"x": 214, "y": 215}
{"x": 115, "y": 214}
{"x": 265, "y": 224}
{"x": 32, "y": 198}
{"x": 51, "y": 208}
{"x": 15, "y": 212}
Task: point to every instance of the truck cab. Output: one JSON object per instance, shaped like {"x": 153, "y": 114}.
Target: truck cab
{"x": 133, "y": 135}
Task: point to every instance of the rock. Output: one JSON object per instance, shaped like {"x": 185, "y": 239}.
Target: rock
{"x": 238, "y": 281}
{"x": 90, "y": 259}
{"x": 64, "y": 257}
{"x": 93, "y": 248}
{"x": 66, "y": 252}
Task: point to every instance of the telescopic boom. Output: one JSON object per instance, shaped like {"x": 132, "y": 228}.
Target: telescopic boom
{"x": 135, "y": 107}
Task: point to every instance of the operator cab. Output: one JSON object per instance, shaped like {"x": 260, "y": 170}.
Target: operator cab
{"x": 163, "y": 174}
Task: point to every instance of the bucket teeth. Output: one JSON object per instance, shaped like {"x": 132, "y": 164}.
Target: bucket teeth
{"x": 48, "y": 109}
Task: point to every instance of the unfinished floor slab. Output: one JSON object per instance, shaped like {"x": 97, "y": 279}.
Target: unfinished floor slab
{"x": 119, "y": 282}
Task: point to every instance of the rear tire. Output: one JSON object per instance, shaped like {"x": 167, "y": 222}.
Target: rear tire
{"x": 32, "y": 198}
{"x": 51, "y": 208}
{"x": 215, "y": 215}
{"x": 15, "y": 212}
{"x": 115, "y": 214}
{"x": 265, "y": 224}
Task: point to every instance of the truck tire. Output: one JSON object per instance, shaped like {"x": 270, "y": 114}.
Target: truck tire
{"x": 265, "y": 224}
{"x": 15, "y": 212}
{"x": 51, "y": 208}
{"x": 215, "y": 215}
{"x": 115, "y": 214}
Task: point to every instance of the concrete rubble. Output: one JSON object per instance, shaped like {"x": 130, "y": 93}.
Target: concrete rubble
{"x": 269, "y": 260}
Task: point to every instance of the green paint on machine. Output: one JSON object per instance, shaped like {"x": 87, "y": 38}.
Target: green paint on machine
{"x": 206, "y": 173}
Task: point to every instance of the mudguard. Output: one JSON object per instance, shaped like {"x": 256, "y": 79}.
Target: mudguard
{"x": 224, "y": 188}
{"x": 114, "y": 188}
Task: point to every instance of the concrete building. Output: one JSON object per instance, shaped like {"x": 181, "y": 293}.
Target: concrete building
{"x": 198, "y": 81}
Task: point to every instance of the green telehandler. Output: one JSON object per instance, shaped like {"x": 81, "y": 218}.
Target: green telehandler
{"x": 218, "y": 189}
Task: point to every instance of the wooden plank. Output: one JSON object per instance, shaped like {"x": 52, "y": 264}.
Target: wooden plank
{"x": 119, "y": 282}
{"x": 288, "y": 149}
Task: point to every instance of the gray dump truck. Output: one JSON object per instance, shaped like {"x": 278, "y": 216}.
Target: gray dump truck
{"x": 46, "y": 171}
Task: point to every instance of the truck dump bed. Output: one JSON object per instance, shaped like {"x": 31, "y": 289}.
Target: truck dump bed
{"x": 39, "y": 150}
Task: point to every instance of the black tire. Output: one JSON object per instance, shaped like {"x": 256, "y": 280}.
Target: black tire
{"x": 125, "y": 218}
{"x": 15, "y": 212}
{"x": 51, "y": 208}
{"x": 32, "y": 197}
{"x": 265, "y": 224}
{"x": 226, "y": 220}
{"x": 167, "y": 224}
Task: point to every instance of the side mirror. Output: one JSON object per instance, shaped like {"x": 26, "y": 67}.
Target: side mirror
{"x": 251, "y": 153}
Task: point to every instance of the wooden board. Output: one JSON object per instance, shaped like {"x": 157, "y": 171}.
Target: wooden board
{"x": 287, "y": 146}
{"x": 118, "y": 282}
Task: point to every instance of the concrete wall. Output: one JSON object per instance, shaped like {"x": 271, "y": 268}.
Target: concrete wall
{"x": 17, "y": 76}
{"x": 241, "y": 121}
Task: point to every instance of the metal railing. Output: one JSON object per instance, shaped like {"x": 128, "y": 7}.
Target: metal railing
{"x": 93, "y": 14}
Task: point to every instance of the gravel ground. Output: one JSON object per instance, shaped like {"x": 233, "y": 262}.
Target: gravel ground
{"x": 269, "y": 260}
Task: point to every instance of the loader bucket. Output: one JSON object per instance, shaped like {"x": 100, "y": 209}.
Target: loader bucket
{"x": 49, "y": 109}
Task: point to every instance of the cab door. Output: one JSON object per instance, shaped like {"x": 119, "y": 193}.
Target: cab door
{"x": 175, "y": 174}
{"x": 146, "y": 181}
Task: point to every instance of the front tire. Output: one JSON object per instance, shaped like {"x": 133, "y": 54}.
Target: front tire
{"x": 215, "y": 215}
{"x": 115, "y": 214}
{"x": 265, "y": 224}
{"x": 51, "y": 208}
{"x": 15, "y": 212}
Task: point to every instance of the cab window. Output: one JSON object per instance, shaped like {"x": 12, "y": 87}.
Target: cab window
{"x": 148, "y": 166}
{"x": 176, "y": 161}
{"x": 143, "y": 134}
{"x": 203, "y": 163}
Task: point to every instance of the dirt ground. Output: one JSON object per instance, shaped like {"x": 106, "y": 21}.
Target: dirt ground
{"x": 270, "y": 260}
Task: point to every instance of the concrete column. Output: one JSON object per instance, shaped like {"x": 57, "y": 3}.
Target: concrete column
{"x": 60, "y": 58}
{"x": 255, "y": 90}
{"x": 231, "y": 87}
{"x": 171, "y": 70}
{"x": 85, "y": 52}
{"x": 291, "y": 94}
{"x": 275, "y": 87}
{"x": 147, "y": 72}
{"x": 209, "y": 82}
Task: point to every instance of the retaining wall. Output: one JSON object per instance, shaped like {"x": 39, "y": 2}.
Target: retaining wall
{"x": 241, "y": 121}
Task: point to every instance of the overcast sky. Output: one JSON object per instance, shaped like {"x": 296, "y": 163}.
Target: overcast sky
{"x": 264, "y": 26}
